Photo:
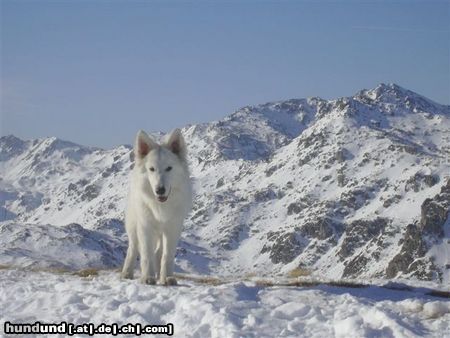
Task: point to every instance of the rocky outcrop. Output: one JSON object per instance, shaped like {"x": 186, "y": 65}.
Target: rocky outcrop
{"x": 321, "y": 229}
{"x": 412, "y": 260}
{"x": 282, "y": 247}
{"x": 435, "y": 211}
{"x": 359, "y": 233}
{"x": 420, "y": 181}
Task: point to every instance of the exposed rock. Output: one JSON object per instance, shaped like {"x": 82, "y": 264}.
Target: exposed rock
{"x": 435, "y": 211}
{"x": 411, "y": 259}
{"x": 295, "y": 208}
{"x": 316, "y": 139}
{"x": 230, "y": 236}
{"x": 413, "y": 247}
{"x": 322, "y": 229}
{"x": 341, "y": 179}
{"x": 355, "y": 266}
{"x": 410, "y": 149}
{"x": 220, "y": 182}
{"x": 271, "y": 170}
{"x": 110, "y": 226}
{"x": 391, "y": 200}
{"x": 359, "y": 233}
{"x": 72, "y": 188}
{"x": 115, "y": 168}
{"x": 82, "y": 182}
{"x": 326, "y": 178}
{"x": 264, "y": 195}
{"x": 90, "y": 192}
{"x": 282, "y": 247}
{"x": 340, "y": 156}
{"x": 305, "y": 160}
{"x": 420, "y": 181}
{"x": 356, "y": 198}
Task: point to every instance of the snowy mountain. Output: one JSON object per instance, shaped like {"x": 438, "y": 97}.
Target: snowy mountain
{"x": 357, "y": 187}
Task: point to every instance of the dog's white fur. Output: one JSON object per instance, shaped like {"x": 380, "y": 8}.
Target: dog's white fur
{"x": 154, "y": 221}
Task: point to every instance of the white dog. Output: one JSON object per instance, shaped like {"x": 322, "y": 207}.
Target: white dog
{"x": 159, "y": 199}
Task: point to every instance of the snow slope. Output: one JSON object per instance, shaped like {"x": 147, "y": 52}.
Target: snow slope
{"x": 239, "y": 309}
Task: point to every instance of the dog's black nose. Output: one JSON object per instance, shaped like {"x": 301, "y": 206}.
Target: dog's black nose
{"x": 160, "y": 191}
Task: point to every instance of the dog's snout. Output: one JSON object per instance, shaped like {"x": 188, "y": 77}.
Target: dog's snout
{"x": 160, "y": 191}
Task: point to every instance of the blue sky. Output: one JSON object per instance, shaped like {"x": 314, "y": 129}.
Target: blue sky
{"x": 94, "y": 72}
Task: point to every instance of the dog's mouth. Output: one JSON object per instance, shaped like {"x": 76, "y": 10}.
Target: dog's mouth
{"x": 162, "y": 199}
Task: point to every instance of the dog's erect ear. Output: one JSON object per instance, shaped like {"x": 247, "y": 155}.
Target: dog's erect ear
{"x": 143, "y": 145}
{"x": 175, "y": 143}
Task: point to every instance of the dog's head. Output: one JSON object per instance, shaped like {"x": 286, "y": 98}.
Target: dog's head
{"x": 163, "y": 164}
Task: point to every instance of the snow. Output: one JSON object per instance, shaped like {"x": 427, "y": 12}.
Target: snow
{"x": 234, "y": 309}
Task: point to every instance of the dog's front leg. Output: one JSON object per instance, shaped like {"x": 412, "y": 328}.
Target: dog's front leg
{"x": 158, "y": 254}
{"x": 130, "y": 260}
{"x": 147, "y": 256}
{"x": 169, "y": 247}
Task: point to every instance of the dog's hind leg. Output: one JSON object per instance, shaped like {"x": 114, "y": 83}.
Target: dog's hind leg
{"x": 130, "y": 259}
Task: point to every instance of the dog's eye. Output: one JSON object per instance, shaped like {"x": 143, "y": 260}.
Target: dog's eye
{"x": 168, "y": 168}
{"x": 152, "y": 169}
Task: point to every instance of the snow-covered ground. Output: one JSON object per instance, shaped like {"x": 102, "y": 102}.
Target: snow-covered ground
{"x": 235, "y": 309}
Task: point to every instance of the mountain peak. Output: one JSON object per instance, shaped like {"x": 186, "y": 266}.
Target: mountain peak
{"x": 385, "y": 91}
{"x": 392, "y": 95}
{"x": 9, "y": 139}
{"x": 10, "y": 146}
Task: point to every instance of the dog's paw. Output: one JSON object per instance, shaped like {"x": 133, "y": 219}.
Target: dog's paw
{"x": 168, "y": 281}
{"x": 148, "y": 280}
{"x": 171, "y": 281}
{"x": 126, "y": 275}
